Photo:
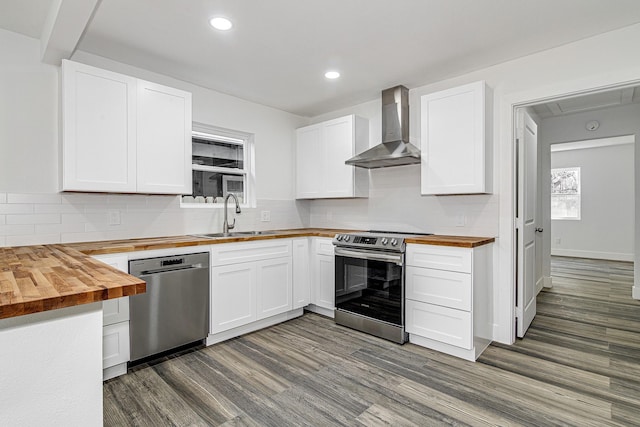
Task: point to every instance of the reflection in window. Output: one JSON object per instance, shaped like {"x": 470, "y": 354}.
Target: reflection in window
{"x": 565, "y": 193}
{"x": 221, "y": 162}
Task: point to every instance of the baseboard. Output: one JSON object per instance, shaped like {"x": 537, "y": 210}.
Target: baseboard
{"x": 635, "y": 292}
{"x": 612, "y": 256}
{"x": 547, "y": 282}
{"x": 539, "y": 285}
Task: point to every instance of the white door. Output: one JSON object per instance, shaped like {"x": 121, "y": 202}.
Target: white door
{"x": 526, "y": 151}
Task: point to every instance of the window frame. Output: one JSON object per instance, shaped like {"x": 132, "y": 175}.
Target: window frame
{"x": 245, "y": 139}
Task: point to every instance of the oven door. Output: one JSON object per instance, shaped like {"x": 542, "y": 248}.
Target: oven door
{"x": 371, "y": 284}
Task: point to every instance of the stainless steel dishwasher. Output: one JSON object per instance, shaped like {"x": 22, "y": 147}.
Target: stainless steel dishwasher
{"x": 175, "y": 309}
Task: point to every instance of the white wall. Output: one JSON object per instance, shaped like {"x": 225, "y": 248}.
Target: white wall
{"x": 605, "y": 229}
{"x": 599, "y": 62}
{"x": 31, "y": 210}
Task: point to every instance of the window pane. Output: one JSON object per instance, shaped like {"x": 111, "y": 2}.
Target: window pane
{"x": 214, "y": 153}
{"x": 216, "y": 184}
{"x": 565, "y": 206}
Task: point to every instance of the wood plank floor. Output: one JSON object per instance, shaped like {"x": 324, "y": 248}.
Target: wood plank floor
{"x": 579, "y": 365}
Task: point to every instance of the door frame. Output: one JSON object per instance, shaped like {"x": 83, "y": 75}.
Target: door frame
{"x": 505, "y": 321}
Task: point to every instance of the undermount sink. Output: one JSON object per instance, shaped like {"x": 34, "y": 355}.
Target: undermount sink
{"x": 234, "y": 234}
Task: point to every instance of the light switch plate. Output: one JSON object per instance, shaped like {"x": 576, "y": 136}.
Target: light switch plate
{"x": 265, "y": 216}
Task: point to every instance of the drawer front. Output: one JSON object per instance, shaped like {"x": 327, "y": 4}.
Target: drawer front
{"x": 323, "y": 246}
{"x": 115, "y": 344}
{"x": 439, "y": 257}
{"x": 235, "y": 253}
{"x": 115, "y": 311}
{"x": 445, "y": 288}
{"x": 443, "y": 324}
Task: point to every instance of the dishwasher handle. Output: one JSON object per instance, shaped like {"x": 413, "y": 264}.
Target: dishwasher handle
{"x": 170, "y": 270}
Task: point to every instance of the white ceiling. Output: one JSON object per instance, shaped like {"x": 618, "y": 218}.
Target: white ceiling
{"x": 278, "y": 50}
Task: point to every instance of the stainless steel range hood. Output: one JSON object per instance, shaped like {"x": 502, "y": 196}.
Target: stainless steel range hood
{"x": 395, "y": 149}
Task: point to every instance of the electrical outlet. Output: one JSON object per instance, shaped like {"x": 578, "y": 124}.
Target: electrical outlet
{"x": 265, "y": 216}
{"x": 460, "y": 220}
{"x": 114, "y": 217}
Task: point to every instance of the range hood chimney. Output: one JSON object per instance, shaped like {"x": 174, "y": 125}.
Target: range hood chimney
{"x": 395, "y": 149}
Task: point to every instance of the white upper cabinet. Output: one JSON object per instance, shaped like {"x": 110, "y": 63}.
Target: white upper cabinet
{"x": 456, "y": 140}
{"x": 321, "y": 151}
{"x": 122, "y": 134}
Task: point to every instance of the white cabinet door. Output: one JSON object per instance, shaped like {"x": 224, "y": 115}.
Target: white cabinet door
{"x": 324, "y": 273}
{"x": 445, "y": 288}
{"x": 309, "y": 167}
{"x": 301, "y": 273}
{"x": 338, "y": 146}
{"x": 164, "y": 140}
{"x": 454, "y": 141}
{"x": 98, "y": 129}
{"x": 274, "y": 287}
{"x": 233, "y": 296}
{"x": 115, "y": 344}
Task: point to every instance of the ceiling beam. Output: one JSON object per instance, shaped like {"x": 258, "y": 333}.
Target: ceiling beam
{"x": 63, "y": 28}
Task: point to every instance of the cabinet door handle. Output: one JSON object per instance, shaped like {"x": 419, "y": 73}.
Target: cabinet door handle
{"x": 538, "y": 230}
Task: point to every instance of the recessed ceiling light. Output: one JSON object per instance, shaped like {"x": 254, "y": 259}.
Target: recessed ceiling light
{"x": 332, "y": 74}
{"x": 220, "y": 23}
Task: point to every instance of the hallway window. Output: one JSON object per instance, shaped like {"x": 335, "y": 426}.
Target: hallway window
{"x": 565, "y": 193}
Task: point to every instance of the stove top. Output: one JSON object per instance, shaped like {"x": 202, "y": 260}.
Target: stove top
{"x": 375, "y": 239}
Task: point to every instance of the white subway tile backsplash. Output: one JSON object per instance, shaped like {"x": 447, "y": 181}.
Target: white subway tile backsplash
{"x": 33, "y": 198}
{"x": 59, "y": 228}
{"x": 33, "y": 239}
{"x": 33, "y": 219}
{"x": 21, "y": 208}
{"x": 78, "y": 217}
{"x": 58, "y": 208}
{"x": 16, "y": 229}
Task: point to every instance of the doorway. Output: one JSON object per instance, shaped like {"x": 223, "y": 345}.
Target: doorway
{"x": 591, "y": 117}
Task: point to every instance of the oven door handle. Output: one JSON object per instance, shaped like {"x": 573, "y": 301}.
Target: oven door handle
{"x": 373, "y": 256}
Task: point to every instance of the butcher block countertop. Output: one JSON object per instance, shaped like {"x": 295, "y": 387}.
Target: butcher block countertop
{"x": 47, "y": 277}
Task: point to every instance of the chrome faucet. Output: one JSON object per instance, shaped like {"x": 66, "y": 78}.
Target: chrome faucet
{"x": 226, "y": 226}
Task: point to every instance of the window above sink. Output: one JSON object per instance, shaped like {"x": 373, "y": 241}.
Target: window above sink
{"x": 222, "y": 163}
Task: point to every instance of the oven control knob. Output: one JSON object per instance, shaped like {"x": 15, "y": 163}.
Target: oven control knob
{"x": 384, "y": 241}
{"x": 339, "y": 237}
{"x": 346, "y": 238}
{"x": 394, "y": 242}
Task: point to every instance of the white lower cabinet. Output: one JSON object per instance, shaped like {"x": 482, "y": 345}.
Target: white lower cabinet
{"x": 250, "y": 282}
{"x": 449, "y": 298}
{"x": 323, "y": 296}
{"x": 115, "y": 322}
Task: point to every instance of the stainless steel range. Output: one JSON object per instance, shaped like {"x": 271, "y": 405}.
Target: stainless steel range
{"x": 370, "y": 278}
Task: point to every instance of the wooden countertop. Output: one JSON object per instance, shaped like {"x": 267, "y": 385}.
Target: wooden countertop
{"x": 48, "y": 277}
